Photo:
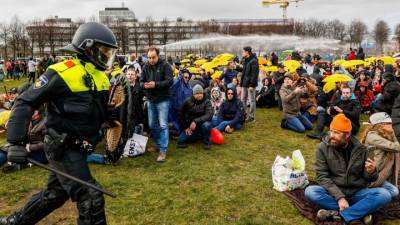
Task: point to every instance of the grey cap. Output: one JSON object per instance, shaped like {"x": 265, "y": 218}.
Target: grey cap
{"x": 198, "y": 89}
{"x": 380, "y": 117}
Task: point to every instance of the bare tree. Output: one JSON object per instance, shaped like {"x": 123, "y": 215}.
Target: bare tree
{"x": 135, "y": 35}
{"x": 149, "y": 26}
{"x": 16, "y": 28}
{"x": 122, "y": 34}
{"x": 356, "y": 30}
{"x": 51, "y": 34}
{"x": 381, "y": 34}
{"x": 336, "y": 30}
{"x": 397, "y": 34}
{"x": 4, "y": 37}
{"x": 164, "y": 30}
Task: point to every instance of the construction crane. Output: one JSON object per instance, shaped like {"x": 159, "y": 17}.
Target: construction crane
{"x": 284, "y": 4}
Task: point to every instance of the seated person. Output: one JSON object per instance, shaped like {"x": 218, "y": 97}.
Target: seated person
{"x": 231, "y": 113}
{"x": 35, "y": 146}
{"x": 365, "y": 96}
{"x": 290, "y": 95}
{"x": 266, "y": 96}
{"x": 216, "y": 100}
{"x": 343, "y": 172}
{"x": 195, "y": 119}
{"x": 380, "y": 136}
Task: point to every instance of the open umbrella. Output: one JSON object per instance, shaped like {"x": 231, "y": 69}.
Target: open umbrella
{"x": 263, "y": 61}
{"x": 193, "y": 70}
{"x": 216, "y": 74}
{"x": 328, "y": 87}
{"x": 388, "y": 60}
{"x": 185, "y": 61}
{"x": 200, "y": 61}
{"x": 269, "y": 69}
{"x": 337, "y": 78}
{"x": 291, "y": 65}
{"x": 353, "y": 63}
{"x": 339, "y": 61}
{"x": 208, "y": 66}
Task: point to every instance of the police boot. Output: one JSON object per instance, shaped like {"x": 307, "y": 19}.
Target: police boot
{"x": 13, "y": 219}
{"x": 91, "y": 208}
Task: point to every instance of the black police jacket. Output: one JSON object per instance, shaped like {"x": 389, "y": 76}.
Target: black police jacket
{"x": 72, "y": 106}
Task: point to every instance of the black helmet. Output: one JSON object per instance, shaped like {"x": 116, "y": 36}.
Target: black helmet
{"x": 95, "y": 42}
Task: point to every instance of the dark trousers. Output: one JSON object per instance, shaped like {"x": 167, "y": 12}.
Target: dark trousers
{"x": 90, "y": 203}
{"x": 31, "y": 77}
{"x": 202, "y": 131}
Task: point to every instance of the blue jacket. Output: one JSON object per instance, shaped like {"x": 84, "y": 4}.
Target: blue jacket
{"x": 228, "y": 76}
{"x": 232, "y": 110}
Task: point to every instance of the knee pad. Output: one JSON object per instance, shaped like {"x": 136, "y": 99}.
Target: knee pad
{"x": 91, "y": 208}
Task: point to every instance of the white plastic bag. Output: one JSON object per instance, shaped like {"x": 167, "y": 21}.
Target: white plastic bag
{"x": 135, "y": 146}
{"x": 289, "y": 174}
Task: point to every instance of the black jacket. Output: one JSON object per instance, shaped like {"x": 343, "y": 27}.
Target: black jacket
{"x": 232, "y": 110}
{"x": 250, "y": 72}
{"x": 197, "y": 111}
{"x": 390, "y": 92}
{"x": 334, "y": 176}
{"x": 162, "y": 74}
{"x": 396, "y": 117}
{"x": 351, "y": 109}
{"x": 137, "y": 104}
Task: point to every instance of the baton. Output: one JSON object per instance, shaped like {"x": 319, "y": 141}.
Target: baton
{"x": 87, "y": 184}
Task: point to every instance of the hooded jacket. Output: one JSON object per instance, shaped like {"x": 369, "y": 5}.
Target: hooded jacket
{"x": 334, "y": 176}
{"x": 351, "y": 109}
{"x": 231, "y": 110}
{"x": 250, "y": 72}
{"x": 390, "y": 92}
{"x": 216, "y": 101}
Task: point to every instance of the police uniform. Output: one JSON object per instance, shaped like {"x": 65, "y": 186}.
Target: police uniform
{"x": 76, "y": 94}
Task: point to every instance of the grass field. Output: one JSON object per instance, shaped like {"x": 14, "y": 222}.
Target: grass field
{"x": 229, "y": 184}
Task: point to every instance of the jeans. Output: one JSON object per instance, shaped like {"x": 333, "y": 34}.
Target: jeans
{"x": 3, "y": 158}
{"x": 299, "y": 124}
{"x": 310, "y": 117}
{"x": 221, "y": 126}
{"x": 201, "y": 132}
{"x": 95, "y": 158}
{"x": 392, "y": 189}
{"x": 37, "y": 156}
{"x": 363, "y": 202}
{"x": 158, "y": 122}
{"x": 246, "y": 93}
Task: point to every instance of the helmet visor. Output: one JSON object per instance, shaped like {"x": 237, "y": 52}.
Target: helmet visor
{"x": 106, "y": 55}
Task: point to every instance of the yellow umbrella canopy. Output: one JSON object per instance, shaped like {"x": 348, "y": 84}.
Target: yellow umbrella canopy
{"x": 370, "y": 59}
{"x": 328, "y": 87}
{"x": 353, "y": 63}
{"x": 208, "y": 66}
{"x": 263, "y": 61}
{"x": 291, "y": 65}
{"x": 185, "y": 61}
{"x": 224, "y": 57}
{"x": 337, "y": 78}
{"x": 269, "y": 69}
{"x": 388, "y": 60}
{"x": 4, "y": 116}
{"x": 340, "y": 61}
{"x": 200, "y": 61}
{"x": 216, "y": 75}
{"x": 193, "y": 70}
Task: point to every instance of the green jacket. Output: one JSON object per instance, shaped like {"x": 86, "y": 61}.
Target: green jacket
{"x": 332, "y": 173}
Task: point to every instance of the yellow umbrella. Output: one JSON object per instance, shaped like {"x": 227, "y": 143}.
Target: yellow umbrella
{"x": 216, "y": 75}
{"x": 208, "y": 66}
{"x": 263, "y": 61}
{"x": 224, "y": 57}
{"x": 4, "y": 116}
{"x": 291, "y": 65}
{"x": 370, "y": 59}
{"x": 328, "y": 87}
{"x": 200, "y": 61}
{"x": 353, "y": 63}
{"x": 269, "y": 69}
{"x": 388, "y": 60}
{"x": 340, "y": 61}
{"x": 193, "y": 70}
{"x": 185, "y": 61}
{"x": 337, "y": 78}
{"x": 189, "y": 56}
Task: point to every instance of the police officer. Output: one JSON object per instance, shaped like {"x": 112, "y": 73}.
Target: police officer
{"x": 76, "y": 94}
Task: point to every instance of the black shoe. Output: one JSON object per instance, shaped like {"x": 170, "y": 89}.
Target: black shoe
{"x": 315, "y": 135}
{"x": 13, "y": 219}
{"x": 13, "y": 168}
{"x": 325, "y": 215}
{"x": 181, "y": 145}
{"x": 206, "y": 146}
{"x": 283, "y": 121}
{"x": 249, "y": 120}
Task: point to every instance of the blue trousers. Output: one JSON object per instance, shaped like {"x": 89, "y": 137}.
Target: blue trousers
{"x": 158, "y": 123}
{"x": 299, "y": 124}
{"x": 363, "y": 202}
{"x": 202, "y": 131}
{"x": 221, "y": 126}
{"x": 37, "y": 156}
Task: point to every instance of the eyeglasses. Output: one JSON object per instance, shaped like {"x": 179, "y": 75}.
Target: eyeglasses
{"x": 186, "y": 77}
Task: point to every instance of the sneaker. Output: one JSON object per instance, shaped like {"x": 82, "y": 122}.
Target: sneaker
{"x": 324, "y": 215}
{"x": 161, "y": 157}
{"x": 181, "y": 145}
{"x": 355, "y": 222}
{"x": 206, "y": 146}
{"x": 368, "y": 220}
{"x": 314, "y": 135}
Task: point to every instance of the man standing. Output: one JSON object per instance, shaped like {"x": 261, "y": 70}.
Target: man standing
{"x": 77, "y": 95}
{"x": 31, "y": 70}
{"x": 343, "y": 174}
{"x": 195, "y": 118}
{"x": 156, "y": 80}
{"x": 249, "y": 80}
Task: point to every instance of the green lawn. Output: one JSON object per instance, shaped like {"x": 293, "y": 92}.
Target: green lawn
{"x": 230, "y": 184}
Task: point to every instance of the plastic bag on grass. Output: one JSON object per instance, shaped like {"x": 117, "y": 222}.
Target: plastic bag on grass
{"x": 289, "y": 174}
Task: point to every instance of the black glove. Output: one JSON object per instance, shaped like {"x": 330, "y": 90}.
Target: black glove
{"x": 17, "y": 154}
{"x": 112, "y": 112}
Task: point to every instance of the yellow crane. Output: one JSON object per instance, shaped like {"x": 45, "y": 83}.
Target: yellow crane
{"x": 284, "y": 4}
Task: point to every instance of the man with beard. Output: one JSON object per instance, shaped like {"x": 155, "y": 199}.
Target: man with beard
{"x": 343, "y": 172}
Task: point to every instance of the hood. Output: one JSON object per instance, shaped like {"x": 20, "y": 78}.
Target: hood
{"x": 234, "y": 95}
{"x": 219, "y": 94}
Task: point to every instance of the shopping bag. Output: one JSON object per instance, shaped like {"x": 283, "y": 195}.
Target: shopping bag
{"x": 135, "y": 146}
{"x": 289, "y": 174}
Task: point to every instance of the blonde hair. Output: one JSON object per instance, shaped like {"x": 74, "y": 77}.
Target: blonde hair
{"x": 379, "y": 129}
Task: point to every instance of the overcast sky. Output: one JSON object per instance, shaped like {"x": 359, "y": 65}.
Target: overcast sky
{"x": 367, "y": 10}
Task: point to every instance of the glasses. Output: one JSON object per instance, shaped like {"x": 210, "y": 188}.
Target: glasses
{"x": 186, "y": 77}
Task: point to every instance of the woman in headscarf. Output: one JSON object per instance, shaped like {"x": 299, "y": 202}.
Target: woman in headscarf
{"x": 216, "y": 100}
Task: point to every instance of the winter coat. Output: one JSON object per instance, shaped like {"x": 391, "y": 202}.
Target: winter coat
{"x": 390, "y": 92}
{"x": 396, "y": 118}
{"x": 278, "y": 78}
{"x": 36, "y": 136}
{"x": 250, "y": 72}
{"x": 232, "y": 110}
{"x": 290, "y": 102}
{"x": 137, "y": 104}
{"x": 365, "y": 98}
{"x": 197, "y": 111}
{"x": 334, "y": 176}
{"x": 161, "y": 73}
{"x": 386, "y": 158}
{"x": 267, "y": 96}
{"x": 228, "y": 76}
{"x": 308, "y": 102}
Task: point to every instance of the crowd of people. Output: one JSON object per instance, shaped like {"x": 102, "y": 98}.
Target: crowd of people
{"x": 169, "y": 101}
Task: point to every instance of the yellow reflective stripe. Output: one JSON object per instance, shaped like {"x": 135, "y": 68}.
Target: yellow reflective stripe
{"x": 73, "y": 77}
